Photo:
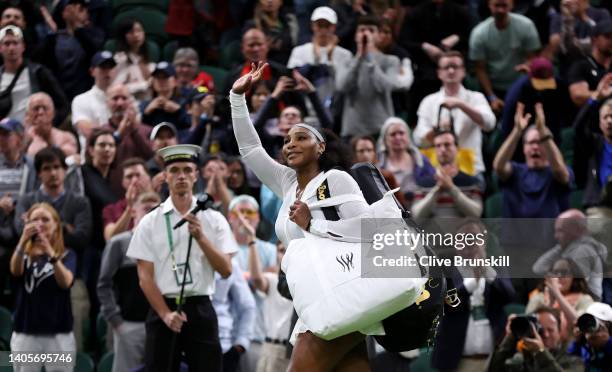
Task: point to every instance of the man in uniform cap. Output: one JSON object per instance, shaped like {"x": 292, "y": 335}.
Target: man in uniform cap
{"x": 163, "y": 265}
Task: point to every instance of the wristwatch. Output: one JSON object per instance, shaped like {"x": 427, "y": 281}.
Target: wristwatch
{"x": 53, "y": 260}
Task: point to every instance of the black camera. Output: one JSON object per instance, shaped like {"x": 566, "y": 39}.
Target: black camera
{"x": 521, "y": 326}
{"x": 587, "y": 323}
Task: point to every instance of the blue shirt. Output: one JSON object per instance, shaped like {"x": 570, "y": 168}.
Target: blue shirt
{"x": 43, "y": 308}
{"x": 534, "y": 193}
{"x": 598, "y": 361}
{"x": 605, "y": 163}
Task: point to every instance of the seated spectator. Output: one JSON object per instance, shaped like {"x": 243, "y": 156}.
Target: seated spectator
{"x": 162, "y": 135}
{"x": 565, "y": 289}
{"x": 279, "y": 26}
{"x": 575, "y": 244}
{"x": 188, "y": 74}
{"x": 68, "y": 51}
{"x": 122, "y": 302}
{"x": 117, "y": 216}
{"x": 131, "y": 134}
{"x": 28, "y": 77}
{"x": 235, "y": 307}
{"x": 430, "y": 29}
{"x": 467, "y": 335}
{"x": 39, "y": 123}
{"x": 469, "y": 111}
{"x": 500, "y": 46}
{"x": 214, "y": 173}
{"x": 367, "y": 81}
{"x": 537, "y": 351}
{"x": 17, "y": 172}
{"x": 449, "y": 192}
{"x": 593, "y": 341}
{"x": 90, "y": 110}
{"x": 538, "y": 188}
{"x": 43, "y": 315}
{"x": 322, "y": 56}
{"x": 584, "y": 75}
{"x": 246, "y": 208}
{"x": 592, "y": 153}
{"x": 165, "y": 105}
{"x": 74, "y": 210}
{"x": 570, "y": 32}
{"x": 237, "y": 180}
{"x": 273, "y": 132}
{"x": 133, "y": 64}
{"x": 364, "y": 151}
{"x": 398, "y": 155}
{"x": 540, "y": 85}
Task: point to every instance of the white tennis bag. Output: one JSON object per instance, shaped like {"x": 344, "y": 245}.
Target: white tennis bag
{"x": 324, "y": 277}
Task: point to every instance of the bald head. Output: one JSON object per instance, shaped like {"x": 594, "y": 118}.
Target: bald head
{"x": 39, "y": 111}
{"x": 254, "y": 45}
{"x": 118, "y": 98}
{"x": 569, "y": 226}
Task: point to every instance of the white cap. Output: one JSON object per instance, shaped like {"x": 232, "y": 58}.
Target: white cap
{"x": 326, "y": 13}
{"x": 600, "y": 311}
{"x": 11, "y": 30}
{"x": 178, "y": 153}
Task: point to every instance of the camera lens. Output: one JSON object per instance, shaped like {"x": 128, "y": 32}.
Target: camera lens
{"x": 587, "y": 323}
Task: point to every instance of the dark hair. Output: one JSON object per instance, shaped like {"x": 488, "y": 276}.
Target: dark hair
{"x": 265, "y": 83}
{"x": 336, "y": 154}
{"x": 452, "y": 54}
{"x": 552, "y": 311}
{"x": 579, "y": 284}
{"x": 219, "y": 156}
{"x": 121, "y": 30}
{"x": 368, "y": 20}
{"x": 439, "y": 132}
{"x": 49, "y": 155}
{"x": 130, "y": 162}
{"x": 356, "y": 140}
{"x": 244, "y": 188}
{"x": 98, "y": 132}
{"x": 302, "y": 113}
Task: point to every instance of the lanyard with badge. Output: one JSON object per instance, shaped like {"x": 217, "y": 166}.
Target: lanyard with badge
{"x": 181, "y": 270}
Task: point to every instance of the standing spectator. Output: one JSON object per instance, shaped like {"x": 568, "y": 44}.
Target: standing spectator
{"x": 367, "y": 81}
{"x": 594, "y": 341}
{"x": 398, "y": 155}
{"x": 235, "y": 308}
{"x": 470, "y": 113}
{"x": 122, "y": 302}
{"x": 449, "y": 192}
{"x": 43, "y": 316}
{"x": 565, "y": 288}
{"x": 430, "y": 29}
{"x": 131, "y": 134}
{"x": 279, "y": 26}
{"x": 133, "y": 64}
{"x": 17, "y": 172}
{"x": 500, "y": 46}
{"x": 39, "y": 122}
{"x": 574, "y": 243}
{"x": 90, "y": 109}
{"x": 540, "y": 187}
{"x": 14, "y": 15}
{"x": 237, "y": 180}
{"x": 166, "y": 104}
{"x": 585, "y": 74}
{"x": 68, "y": 51}
{"x": 30, "y": 77}
{"x": 118, "y": 216}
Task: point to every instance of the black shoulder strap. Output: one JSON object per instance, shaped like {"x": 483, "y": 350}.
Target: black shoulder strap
{"x": 330, "y": 213}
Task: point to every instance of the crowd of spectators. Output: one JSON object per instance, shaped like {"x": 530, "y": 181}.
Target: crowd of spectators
{"x": 439, "y": 94}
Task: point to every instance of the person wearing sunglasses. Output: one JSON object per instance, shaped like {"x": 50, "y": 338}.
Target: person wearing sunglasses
{"x": 565, "y": 289}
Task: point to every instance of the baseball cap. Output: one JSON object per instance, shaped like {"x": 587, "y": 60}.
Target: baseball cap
{"x": 198, "y": 93}
{"x": 103, "y": 57}
{"x": 11, "y": 125}
{"x": 160, "y": 126}
{"x": 326, "y": 13}
{"x": 11, "y": 30}
{"x": 165, "y": 68}
{"x": 600, "y": 311}
{"x": 602, "y": 28}
{"x": 541, "y": 74}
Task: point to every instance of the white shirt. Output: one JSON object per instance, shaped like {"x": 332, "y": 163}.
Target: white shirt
{"x": 468, "y": 132}
{"x": 304, "y": 55}
{"x": 90, "y": 106}
{"x": 277, "y": 310}
{"x": 479, "y": 334}
{"x": 20, "y": 93}
{"x": 150, "y": 243}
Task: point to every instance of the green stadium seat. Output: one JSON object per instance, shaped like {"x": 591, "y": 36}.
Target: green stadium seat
{"x": 106, "y": 362}
{"x": 567, "y": 145}
{"x": 169, "y": 49}
{"x": 101, "y": 330}
{"x": 230, "y": 55}
{"x": 152, "y": 20}
{"x": 123, "y": 5}
{"x": 218, "y": 75}
{"x": 493, "y": 205}
{"x": 576, "y": 199}
{"x": 153, "y": 49}
{"x": 84, "y": 363}
{"x": 6, "y": 328}
{"x": 514, "y": 308}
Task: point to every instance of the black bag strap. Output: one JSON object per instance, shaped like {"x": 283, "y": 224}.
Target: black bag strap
{"x": 450, "y": 115}
{"x": 10, "y": 87}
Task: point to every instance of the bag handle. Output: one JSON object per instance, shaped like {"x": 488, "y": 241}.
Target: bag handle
{"x": 10, "y": 87}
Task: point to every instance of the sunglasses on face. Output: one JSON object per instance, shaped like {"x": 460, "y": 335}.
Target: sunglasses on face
{"x": 244, "y": 212}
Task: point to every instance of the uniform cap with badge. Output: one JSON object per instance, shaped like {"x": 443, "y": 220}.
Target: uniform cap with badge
{"x": 178, "y": 153}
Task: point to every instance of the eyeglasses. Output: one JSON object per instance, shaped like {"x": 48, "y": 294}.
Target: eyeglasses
{"x": 561, "y": 273}
{"x": 449, "y": 66}
{"x": 244, "y": 212}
